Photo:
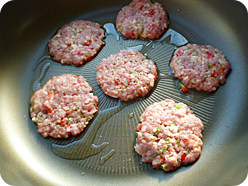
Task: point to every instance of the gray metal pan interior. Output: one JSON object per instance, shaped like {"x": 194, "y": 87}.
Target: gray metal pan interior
{"x": 29, "y": 159}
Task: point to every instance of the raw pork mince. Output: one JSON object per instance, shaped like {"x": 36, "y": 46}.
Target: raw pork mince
{"x": 169, "y": 135}
{"x": 202, "y": 67}
{"x": 142, "y": 18}
{"x": 126, "y": 75}
{"x": 76, "y": 42}
{"x": 63, "y": 106}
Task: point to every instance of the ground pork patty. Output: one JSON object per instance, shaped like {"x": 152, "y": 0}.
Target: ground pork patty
{"x": 201, "y": 67}
{"x": 169, "y": 135}
{"x": 126, "y": 75}
{"x": 63, "y": 106}
{"x": 76, "y": 42}
{"x": 142, "y": 18}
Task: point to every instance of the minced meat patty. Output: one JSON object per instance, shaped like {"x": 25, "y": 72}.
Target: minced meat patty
{"x": 63, "y": 106}
{"x": 202, "y": 67}
{"x": 142, "y": 18}
{"x": 76, "y": 42}
{"x": 169, "y": 135}
{"x": 126, "y": 75}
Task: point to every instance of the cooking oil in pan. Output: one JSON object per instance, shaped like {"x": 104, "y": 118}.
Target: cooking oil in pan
{"x": 110, "y": 30}
{"x": 119, "y": 138}
{"x": 37, "y": 82}
{"x": 84, "y": 147}
{"x": 41, "y": 60}
{"x": 107, "y": 156}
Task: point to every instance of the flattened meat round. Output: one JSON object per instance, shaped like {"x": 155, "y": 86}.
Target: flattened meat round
{"x": 63, "y": 106}
{"x": 202, "y": 67}
{"x": 142, "y": 18}
{"x": 169, "y": 135}
{"x": 126, "y": 75}
{"x": 76, "y": 42}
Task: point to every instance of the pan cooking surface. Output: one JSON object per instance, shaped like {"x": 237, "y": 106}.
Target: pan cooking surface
{"x": 108, "y": 142}
{"x": 106, "y": 147}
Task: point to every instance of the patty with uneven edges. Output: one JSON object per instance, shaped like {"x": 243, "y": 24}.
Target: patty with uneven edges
{"x": 63, "y": 106}
{"x": 126, "y": 75}
{"x": 169, "y": 135}
{"x": 142, "y": 19}
{"x": 77, "y": 42}
{"x": 202, "y": 67}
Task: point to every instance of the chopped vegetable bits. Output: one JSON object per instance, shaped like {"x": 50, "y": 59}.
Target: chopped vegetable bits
{"x": 126, "y": 75}
{"x": 76, "y": 42}
{"x": 169, "y": 135}
{"x": 142, "y": 19}
{"x": 63, "y": 106}
{"x": 202, "y": 67}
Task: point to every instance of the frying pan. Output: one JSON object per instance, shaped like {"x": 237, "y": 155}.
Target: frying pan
{"x": 103, "y": 153}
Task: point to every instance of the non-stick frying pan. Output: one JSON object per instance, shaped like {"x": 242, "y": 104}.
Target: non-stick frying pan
{"x": 103, "y": 153}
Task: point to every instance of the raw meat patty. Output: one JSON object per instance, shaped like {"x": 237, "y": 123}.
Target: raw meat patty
{"x": 63, "y": 106}
{"x": 202, "y": 67}
{"x": 126, "y": 75}
{"x": 169, "y": 135}
{"x": 76, "y": 42}
{"x": 142, "y": 18}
